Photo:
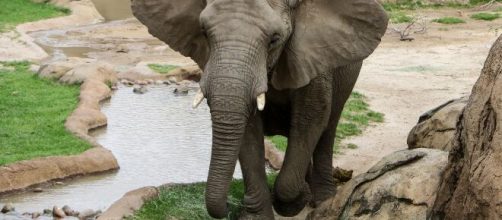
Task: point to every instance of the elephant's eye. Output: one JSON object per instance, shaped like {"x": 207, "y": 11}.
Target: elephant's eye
{"x": 203, "y": 30}
{"x": 275, "y": 39}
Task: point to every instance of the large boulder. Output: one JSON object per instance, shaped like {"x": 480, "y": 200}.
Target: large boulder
{"x": 402, "y": 185}
{"x": 436, "y": 128}
{"x": 472, "y": 184}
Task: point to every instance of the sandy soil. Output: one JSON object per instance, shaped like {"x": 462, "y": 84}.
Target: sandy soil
{"x": 405, "y": 79}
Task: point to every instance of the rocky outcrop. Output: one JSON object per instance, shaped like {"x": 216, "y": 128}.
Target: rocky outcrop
{"x": 472, "y": 184}
{"x": 129, "y": 203}
{"x": 402, "y": 185}
{"x": 436, "y": 128}
{"x": 24, "y": 174}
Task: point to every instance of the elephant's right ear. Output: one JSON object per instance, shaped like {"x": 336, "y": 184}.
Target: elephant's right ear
{"x": 176, "y": 22}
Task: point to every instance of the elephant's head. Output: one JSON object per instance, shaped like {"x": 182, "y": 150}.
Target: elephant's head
{"x": 244, "y": 46}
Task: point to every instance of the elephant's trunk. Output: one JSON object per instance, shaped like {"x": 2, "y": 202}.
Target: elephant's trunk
{"x": 229, "y": 118}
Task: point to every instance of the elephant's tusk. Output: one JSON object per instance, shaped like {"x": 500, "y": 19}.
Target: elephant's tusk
{"x": 260, "y": 101}
{"x": 198, "y": 99}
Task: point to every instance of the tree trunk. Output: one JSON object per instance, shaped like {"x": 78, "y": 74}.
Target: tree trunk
{"x": 472, "y": 183}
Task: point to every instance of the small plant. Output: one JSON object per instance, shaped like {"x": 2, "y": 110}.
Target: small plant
{"x": 352, "y": 146}
{"x": 449, "y": 20}
{"x": 162, "y": 69}
{"x": 418, "y": 25}
{"x": 485, "y": 16}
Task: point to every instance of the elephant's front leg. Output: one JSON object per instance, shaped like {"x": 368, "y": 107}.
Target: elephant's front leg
{"x": 321, "y": 181}
{"x": 257, "y": 199}
{"x": 311, "y": 109}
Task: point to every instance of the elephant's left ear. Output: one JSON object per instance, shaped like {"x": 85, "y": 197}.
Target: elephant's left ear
{"x": 328, "y": 34}
{"x": 176, "y": 22}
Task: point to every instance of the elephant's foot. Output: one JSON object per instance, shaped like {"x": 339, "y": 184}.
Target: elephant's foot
{"x": 293, "y": 207}
{"x": 245, "y": 215}
{"x": 322, "y": 192}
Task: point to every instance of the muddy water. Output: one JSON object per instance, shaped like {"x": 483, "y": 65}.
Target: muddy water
{"x": 157, "y": 139}
{"x": 113, "y": 9}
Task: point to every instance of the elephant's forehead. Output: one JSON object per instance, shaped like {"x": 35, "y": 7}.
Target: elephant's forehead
{"x": 252, "y": 8}
{"x": 240, "y": 13}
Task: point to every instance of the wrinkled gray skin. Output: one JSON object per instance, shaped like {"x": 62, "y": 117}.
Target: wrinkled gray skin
{"x": 305, "y": 55}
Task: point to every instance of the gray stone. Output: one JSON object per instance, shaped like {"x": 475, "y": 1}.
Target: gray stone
{"x": 57, "y": 212}
{"x": 402, "y": 185}
{"x": 8, "y": 208}
{"x": 69, "y": 211}
{"x": 436, "y": 128}
{"x": 140, "y": 89}
{"x": 88, "y": 213}
{"x": 181, "y": 90}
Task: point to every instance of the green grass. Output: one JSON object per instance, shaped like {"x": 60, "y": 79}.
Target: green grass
{"x": 398, "y": 17}
{"x": 417, "y": 4}
{"x": 32, "y": 116}
{"x": 478, "y": 2}
{"x": 162, "y": 69}
{"x": 485, "y": 16}
{"x": 187, "y": 202}
{"x": 356, "y": 116}
{"x": 449, "y": 20}
{"x": 14, "y": 12}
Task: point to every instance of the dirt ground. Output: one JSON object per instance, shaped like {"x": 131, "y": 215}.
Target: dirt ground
{"x": 405, "y": 79}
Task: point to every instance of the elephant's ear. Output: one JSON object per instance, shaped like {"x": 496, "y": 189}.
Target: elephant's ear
{"x": 328, "y": 34}
{"x": 176, "y": 22}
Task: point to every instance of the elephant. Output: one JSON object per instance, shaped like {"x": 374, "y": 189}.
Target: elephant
{"x": 270, "y": 67}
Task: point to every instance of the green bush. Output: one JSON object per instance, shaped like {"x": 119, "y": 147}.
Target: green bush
{"x": 485, "y": 16}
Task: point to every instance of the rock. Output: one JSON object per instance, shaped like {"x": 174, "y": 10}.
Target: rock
{"x": 436, "y": 128}
{"x": 472, "y": 183}
{"x": 159, "y": 82}
{"x": 402, "y": 185}
{"x": 181, "y": 90}
{"x": 141, "y": 82}
{"x": 140, "y": 89}
{"x": 273, "y": 156}
{"x": 96, "y": 70}
{"x": 34, "y": 68}
{"x": 38, "y": 190}
{"x": 192, "y": 73}
{"x": 126, "y": 82}
{"x": 88, "y": 213}
{"x": 58, "y": 183}
{"x": 122, "y": 49}
{"x": 57, "y": 212}
{"x": 7, "y": 208}
{"x": 56, "y": 69}
{"x": 35, "y": 215}
{"x": 150, "y": 81}
{"x": 47, "y": 212}
{"x": 129, "y": 203}
{"x": 69, "y": 211}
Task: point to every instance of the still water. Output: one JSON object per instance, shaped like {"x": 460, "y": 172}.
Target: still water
{"x": 157, "y": 138}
